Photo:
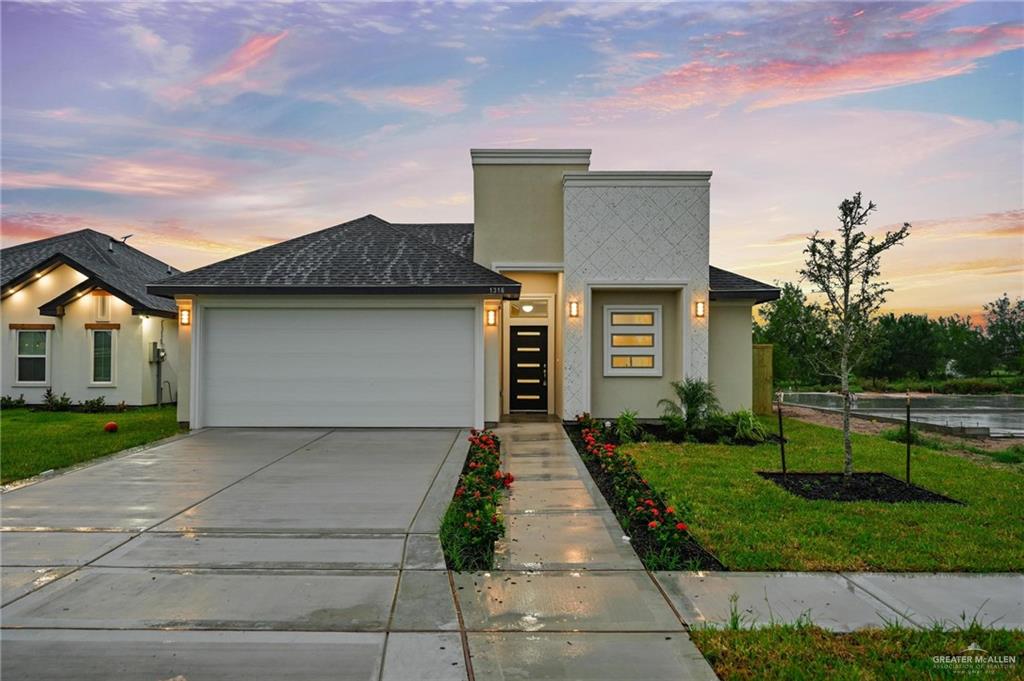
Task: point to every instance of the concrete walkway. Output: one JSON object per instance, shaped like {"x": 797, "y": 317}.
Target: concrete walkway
{"x": 570, "y": 599}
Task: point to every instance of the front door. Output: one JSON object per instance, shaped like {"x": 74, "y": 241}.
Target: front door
{"x": 528, "y": 370}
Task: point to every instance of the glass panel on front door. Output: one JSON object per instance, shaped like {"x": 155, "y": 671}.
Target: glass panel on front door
{"x": 528, "y": 368}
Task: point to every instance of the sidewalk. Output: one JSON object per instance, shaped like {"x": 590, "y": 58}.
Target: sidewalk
{"x": 570, "y": 598}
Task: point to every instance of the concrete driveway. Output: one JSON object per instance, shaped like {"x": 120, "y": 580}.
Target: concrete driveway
{"x": 238, "y": 553}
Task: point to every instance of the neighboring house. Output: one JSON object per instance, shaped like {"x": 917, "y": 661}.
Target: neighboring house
{"x": 573, "y": 291}
{"x": 79, "y": 321}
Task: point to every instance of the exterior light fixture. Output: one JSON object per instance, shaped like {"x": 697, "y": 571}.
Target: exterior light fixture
{"x": 574, "y": 308}
{"x": 492, "y": 317}
{"x": 527, "y": 308}
{"x": 185, "y": 316}
{"x": 699, "y": 308}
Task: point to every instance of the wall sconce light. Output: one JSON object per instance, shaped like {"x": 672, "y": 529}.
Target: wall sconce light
{"x": 699, "y": 308}
{"x": 574, "y": 308}
{"x": 492, "y": 317}
{"x": 185, "y": 316}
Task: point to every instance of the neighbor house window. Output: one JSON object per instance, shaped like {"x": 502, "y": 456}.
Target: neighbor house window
{"x": 32, "y": 356}
{"x": 102, "y": 356}
{"x": 632, "y": 340}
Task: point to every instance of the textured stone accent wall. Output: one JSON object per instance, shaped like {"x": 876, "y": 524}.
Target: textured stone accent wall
{"x": 634, "y": 234}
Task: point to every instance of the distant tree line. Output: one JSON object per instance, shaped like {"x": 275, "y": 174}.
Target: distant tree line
{"x": 906, "y": 346}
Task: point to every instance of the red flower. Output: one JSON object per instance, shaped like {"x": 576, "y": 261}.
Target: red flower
{"x": 670, "y": 509}
{"x": 653, "y": 524}
{"x": 654, "y": 511}
{"x": 681, "y": 527}
{"x": 649, "y": 502}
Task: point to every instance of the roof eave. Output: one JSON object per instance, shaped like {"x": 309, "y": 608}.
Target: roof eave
{"x": 760, "y": 295}
{"x": 505, "y": 291}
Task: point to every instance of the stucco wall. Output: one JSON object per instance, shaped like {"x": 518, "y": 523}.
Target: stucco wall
{"x": 730, "y": 353}
{"x": 634, "y": 228}
{"x": 609, "y": 395}
{"x": 517, "y": 213}
{"x": 70, "y": 347}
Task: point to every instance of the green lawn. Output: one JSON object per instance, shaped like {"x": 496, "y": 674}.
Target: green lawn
{"x": 35, "y": 441}
{"x": 752, "y": 524}
{"x": 789, "y": 653}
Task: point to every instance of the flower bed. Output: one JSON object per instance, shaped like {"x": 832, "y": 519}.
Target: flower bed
{"x": 473, "y": 520}
{"x": 658, "y": 532}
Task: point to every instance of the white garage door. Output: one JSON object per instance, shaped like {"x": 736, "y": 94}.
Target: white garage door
{"x": 338, "y": 367}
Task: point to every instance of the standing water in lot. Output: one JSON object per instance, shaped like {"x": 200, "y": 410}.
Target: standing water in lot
{"x": 1002, "y": 415}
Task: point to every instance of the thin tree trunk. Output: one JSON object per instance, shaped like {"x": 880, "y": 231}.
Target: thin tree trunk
{"x": 847, "y": 444}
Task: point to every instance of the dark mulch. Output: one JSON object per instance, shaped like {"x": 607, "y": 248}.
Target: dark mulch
{"x": 862, "y": 487}
{"x": 688, "y": 555}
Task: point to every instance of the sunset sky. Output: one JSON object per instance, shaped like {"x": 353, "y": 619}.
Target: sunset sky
{"x": 210, "y": 129}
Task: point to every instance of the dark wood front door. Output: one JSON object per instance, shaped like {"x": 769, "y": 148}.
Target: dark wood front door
{"x": 528, "y": 370}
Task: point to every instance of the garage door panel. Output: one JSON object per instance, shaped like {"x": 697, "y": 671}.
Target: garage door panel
{"x": 338, "y": 367}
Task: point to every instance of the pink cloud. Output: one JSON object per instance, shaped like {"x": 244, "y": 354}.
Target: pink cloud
{"x": 782, "y": 81}
{"x": 927, "y": 12}
{"x": 21, "y": 227}
{"x": 647, "y": 55}
{"x": 439, "y": 98}
{"x": 153, "y": 176}
{"x": 252, "y": 53}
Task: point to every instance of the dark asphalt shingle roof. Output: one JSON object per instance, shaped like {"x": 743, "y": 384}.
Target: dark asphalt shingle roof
{"x": 125, "y": 272}
{"x": 456, "y": 237}
{"x": 366, "y": 255}
{"x": 725, "y": 285}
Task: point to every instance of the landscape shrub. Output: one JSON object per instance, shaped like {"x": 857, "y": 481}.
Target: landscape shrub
{"x": 53, "y": 403}
{"x": 8, "y": 402}
{"x": 747, "y": 427}
{"x": 658, "y": 532}
{"x": 696, "y": 405}
{"x": 473, "y": 520}
{"x": 627, "y": 427}
{"x": 93, "y": 406}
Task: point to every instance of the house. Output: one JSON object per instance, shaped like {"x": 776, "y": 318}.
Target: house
{"x": 572, "y": 291}
{"x": 80, "y": 321}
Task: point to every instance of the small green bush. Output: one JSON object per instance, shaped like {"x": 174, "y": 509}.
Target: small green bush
{"x": 8, "y": 402}
{"x": 696, "y": 405}
{"x": 1014, "y": 454}
{"x": 747, "y": 427}
{"x": 627, "y": 427}
{"x": 53, "y": 403}
{"x": 93, "y": 406}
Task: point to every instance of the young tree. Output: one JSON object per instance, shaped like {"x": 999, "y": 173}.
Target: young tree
{"x": 845, "y": 272}
{"x": 1004, "y": 326}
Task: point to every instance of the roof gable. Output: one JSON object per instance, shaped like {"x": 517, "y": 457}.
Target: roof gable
{"x": 366, "y": 255}
{"x": 123, "y": 270}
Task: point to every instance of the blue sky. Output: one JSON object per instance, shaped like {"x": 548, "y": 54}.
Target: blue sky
{"x": 208, "y": 129}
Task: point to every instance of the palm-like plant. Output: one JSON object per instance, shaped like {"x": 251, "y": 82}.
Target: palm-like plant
{"x": 697, "y": 403}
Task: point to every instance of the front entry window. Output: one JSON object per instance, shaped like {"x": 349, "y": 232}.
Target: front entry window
{"x": 632, "y": 340}
{"x": 32, "y": 357}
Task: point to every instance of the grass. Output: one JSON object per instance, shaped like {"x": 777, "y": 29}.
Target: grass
{"x": 795, "y": 653}
{"x": 750, "y": 523}
{"x": 1004, "y": 383}
{"x": 1011, "y": 455}
{"x": 35, "y": 441}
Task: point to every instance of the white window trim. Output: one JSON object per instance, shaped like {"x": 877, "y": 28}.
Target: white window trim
{"x": 655, "y": 330}
{"x": 45, "y": 383}
{"x": 112, "y": 383}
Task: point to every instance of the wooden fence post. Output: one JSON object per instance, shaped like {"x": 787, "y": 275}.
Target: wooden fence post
{"x": 761, "y": 399}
